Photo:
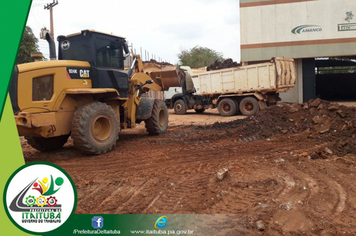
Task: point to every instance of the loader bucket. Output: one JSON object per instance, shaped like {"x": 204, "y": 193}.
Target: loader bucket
{"x": 165, "y": 75}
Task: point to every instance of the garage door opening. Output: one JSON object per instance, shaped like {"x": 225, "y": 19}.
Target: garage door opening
{"x": 335, "y": 78}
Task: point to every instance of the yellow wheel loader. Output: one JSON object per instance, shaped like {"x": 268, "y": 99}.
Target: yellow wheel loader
{"x": 87, "y": 94}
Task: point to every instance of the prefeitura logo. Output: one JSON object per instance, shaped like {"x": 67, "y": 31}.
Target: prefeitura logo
{"x": 39, "y": 197}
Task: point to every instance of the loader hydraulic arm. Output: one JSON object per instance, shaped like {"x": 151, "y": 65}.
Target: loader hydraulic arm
{"x": 139, "y": 78}
{"x": 164, "y": 76}
{"x": 146, "y": 76}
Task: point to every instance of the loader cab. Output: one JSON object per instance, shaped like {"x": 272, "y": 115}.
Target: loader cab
{"x": 106, "y": 53}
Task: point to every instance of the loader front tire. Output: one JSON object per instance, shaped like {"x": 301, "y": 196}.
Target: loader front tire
{"x": 95, "y": 128}
{"x": 47, "y": 144}
{"x": 158, "y": 122}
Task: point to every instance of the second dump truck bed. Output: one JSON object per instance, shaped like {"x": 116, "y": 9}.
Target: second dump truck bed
{"x": 279, "y": 75}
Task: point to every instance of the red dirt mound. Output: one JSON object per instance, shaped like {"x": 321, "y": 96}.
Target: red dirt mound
{"x": 217, "y": 65}
{"x": 317, "y": 119}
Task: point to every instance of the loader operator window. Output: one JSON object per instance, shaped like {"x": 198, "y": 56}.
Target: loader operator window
{"x": 109, "y": 54}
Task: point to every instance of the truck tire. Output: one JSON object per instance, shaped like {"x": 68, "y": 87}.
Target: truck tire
{"x": 158, "y": 122}
{"x": 199, "y": 111}
{"x": 249, "y": 106}
{"x": 95, "y": 128}
{"x": 227, "y": 107}
{"x": 180, "y": 108}
{"x": 47, "y": 144}
{"x": 237, "y": 106}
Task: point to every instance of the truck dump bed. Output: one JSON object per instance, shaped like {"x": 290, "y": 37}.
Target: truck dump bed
{"x": 279, "y": 75}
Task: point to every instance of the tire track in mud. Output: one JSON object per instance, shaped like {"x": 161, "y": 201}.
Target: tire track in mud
{"x": 132, "y": 193}
{"x": 181, "y": 194}
{"x": 342, "y": 199}
{"x": 87, "y": 198}
{"x": 189, "y": 186}
{"x": 307, "y": 208}
{"x": 171, "y": 198}
{"x": 300, "y": 180}
{"x": 186, "y": 179}
{"x": 176, "y": 173}
{"x": 316, "y": 191}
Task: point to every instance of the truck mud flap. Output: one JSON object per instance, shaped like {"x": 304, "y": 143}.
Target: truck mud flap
{"x": 262, "y": 104}
{"x": 144, "y": 109}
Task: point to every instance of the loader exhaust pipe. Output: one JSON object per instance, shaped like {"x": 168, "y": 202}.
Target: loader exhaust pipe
{"x": 52, "y": 47}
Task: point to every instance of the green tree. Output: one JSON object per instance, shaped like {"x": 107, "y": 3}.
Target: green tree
{"x": 29, "y": 44}
{"x": 337, "y": 65}
{"x": 199, "y": 57}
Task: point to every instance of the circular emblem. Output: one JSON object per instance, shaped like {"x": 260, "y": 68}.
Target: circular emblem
{"x": 65, "y": 45}
{"x": 39, "y": 197}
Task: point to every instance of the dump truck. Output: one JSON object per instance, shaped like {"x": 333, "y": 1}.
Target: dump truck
{"x": 87, "y": 94}
{"x": 244, "y": 89}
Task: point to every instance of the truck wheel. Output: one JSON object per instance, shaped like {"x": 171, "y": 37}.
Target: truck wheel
{"x": 237, "y": 107}
{"x": 199, "y": 111}
{"x": 180, "y": 108}
{"x": 47, "y": 144}
{"x": 249, "y": 106}
{"x": 95, "y": 128}
{"x": 158, "y": 122}
{"x": 227, "y": 107}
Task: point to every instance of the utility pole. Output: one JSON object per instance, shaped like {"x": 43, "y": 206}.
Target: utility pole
{"x": 50, "y": 8}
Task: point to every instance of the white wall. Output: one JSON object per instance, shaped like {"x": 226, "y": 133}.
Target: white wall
{"x": 274, "y": 23}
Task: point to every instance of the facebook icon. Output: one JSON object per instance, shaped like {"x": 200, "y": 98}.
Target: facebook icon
{"x": 97, "y": 222}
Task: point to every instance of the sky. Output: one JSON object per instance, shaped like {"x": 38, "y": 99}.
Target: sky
{"x": 160, "y": 27}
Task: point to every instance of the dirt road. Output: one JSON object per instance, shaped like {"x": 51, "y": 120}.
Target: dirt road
{"x": 291, "y": 168}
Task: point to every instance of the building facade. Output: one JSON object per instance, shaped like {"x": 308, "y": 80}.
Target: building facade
{"x": 310, "y": 31}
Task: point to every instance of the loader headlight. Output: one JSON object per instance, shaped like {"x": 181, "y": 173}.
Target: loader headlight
{"x": 42, "y": 88}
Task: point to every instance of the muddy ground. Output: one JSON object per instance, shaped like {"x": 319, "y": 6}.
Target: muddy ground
{"x": 291, "y": 168}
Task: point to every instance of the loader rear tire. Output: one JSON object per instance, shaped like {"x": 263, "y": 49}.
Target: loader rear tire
{"x": 227, "y": 107}
{"x": 158, "y": 122}
{"x": 249, "y": 106}
{"x": 47, "y": 144}
{"x": 180, "y": 108}
{"x": 95, "y": 128}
